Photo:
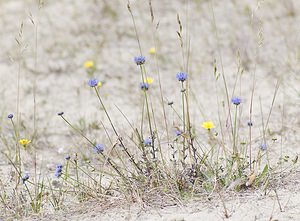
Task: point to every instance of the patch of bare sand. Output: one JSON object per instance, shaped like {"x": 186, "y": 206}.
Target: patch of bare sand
{"x": 69, "y": 32}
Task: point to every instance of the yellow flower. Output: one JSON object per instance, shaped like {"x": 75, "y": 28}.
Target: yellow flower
{"x": 149, "y": 80}
{"x": 99, "y": 84}
{"x": 208, "y": 125}
{"x": 152, "y": 50}
{"x": 24, "y": 142}
{"x": 89, "y": 64}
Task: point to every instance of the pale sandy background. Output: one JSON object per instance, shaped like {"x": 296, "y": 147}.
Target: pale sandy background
{"x": 266, "y": 33}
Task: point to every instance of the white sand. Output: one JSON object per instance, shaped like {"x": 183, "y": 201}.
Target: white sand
{"x": 70, "y": 32}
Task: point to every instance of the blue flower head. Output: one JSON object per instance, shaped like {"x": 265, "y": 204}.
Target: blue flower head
{"x": 148, "y": 142}
{"x": 139, "y": 60}
{"x": 181, "y": 76}
{"x": 99, "y": 148}
{"x": 58, "y": 170}
{"x": 10, "y": 116}
{"x": 250, "y": 124}
{"x": 236, "y": 100}
{"x": 144, "y": 86}
{"x": 68, "y": 157}
{"x": 93, "y": 82}
{"x": 263, "y": 146}
{"x": 177, "y": 132}
{"x": 25, "y": 177}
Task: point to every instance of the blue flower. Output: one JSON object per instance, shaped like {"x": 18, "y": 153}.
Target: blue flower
{"x": 93, "y": 82}
{"x": 181, "y": 76}
{"x": 148, "y": 142}
{"x": 60, "y": 113}
{"x": 250, "y": 124}
{"x": 58, "y": 170}
{"x": 139, "y": 60}
{"x": 10, "y": 116}
{"x": 25, "y": 177}
{"x": 177, "y": 132}
{"x": 68, "y": 157}
{"x": 144, "y": 86}
{"x": 236, "y": 100}
{"x": 99, "y": 148}
{"x": 263, "y": 146}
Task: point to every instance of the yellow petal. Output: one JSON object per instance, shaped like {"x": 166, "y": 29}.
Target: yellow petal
{"x": 99, "y": 84}
{"x": 149, "y": 80}
{"x": 89, "y": 64}
{"x": 152, "y": 50}
{"x": 24, "y": 142}
{"x": 208, "y": 125}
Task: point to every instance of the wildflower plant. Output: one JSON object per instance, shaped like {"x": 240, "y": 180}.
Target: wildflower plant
{"x": 181, "y": 76}
{"x": 93, "y": 82}
{"x": 99, "y": 148}
{"x": 139, "y": 60}
{"x": 208, "y": 125}
{"x": 144, "y": 86}
{"x": 90, "y": 67}
{"x": 152, "y": 50}
{"x": 24, "y": 142}
{"x": 58, "y": 170}
{"x": 186, "y": 162}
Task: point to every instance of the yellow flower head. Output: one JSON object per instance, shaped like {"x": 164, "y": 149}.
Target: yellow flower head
{"x": 208, "y": 125}
{"x": 89, "y": 64}
{"x": 24, "y": 142}
{"x": 149, "y": 80}
{"x": 152, "y": 50}
{"x": 99, "y": 84}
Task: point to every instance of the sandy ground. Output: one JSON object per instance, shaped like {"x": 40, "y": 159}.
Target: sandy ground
{"x": 266, "y": 34}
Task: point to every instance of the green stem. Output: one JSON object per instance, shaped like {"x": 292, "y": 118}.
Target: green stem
{"x": 234, "y": 132}
{"x": 109, "y": 160}
{"x": 18, "y": 152}
{"x": 183, "y": 119}
{"x": 150, "y": 126}
{"x": 116, "y": 133}
{"x": 144, "y": 77}
{"x": 76, "y": 169}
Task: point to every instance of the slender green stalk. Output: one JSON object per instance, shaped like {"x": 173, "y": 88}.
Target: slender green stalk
{"x": 76, "y": 169}
{"x": 17, "y": 151}
{"x": 183, "y": 121}
{"x": 158, "y": 71}
{"x": 250, "y": 124}
{"x": 109, "y": 160}
{"x": 115, "y": 131}
{"x": 235, "y": 152}
{"x": 144, "y": 77}
{"x": 222, "y": 67}
{"x": 134, "y": 25}
{"x": 67, "y": 170}
{"x": 30, "y": 196}
{"x": 77, "y": 130}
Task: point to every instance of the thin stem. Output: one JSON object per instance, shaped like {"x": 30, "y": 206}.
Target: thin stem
{"x": 18, "y": 152}
{"x": 183, "y": 120}
{"x": 109, "y": 160}
{"x": 234, "y": 131}
{"x": 144, "y": 76}
{"x": 116, "y": 133}
{"x": 222, "y": 67}
{"x": 158, "y": 71}
{"x": 135, "y": 29}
